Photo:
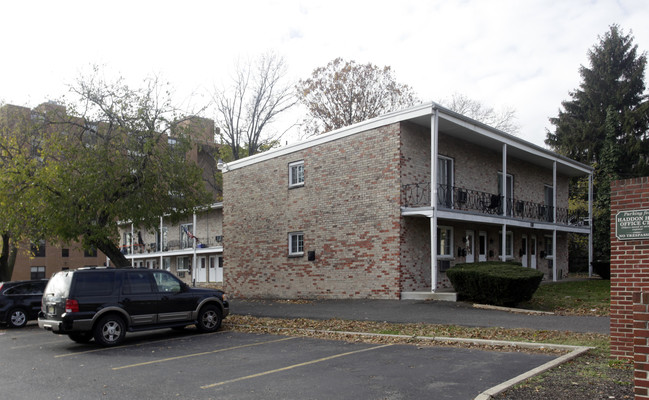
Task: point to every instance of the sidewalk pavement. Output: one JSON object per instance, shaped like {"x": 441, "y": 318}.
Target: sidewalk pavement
{"x": 415, "y": 311}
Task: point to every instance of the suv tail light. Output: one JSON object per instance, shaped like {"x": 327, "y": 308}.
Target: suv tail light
{"x": 71, "y": 306}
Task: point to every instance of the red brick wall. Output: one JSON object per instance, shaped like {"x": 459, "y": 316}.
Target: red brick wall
{"x": 629, "y": 265}
{"x": 641, "y": 344}
{"x": 349, "y": 212}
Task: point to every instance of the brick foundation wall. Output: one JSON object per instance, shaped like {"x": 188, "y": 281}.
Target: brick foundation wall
{"x": 629, "y": 265}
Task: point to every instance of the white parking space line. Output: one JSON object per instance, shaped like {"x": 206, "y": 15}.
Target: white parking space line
{"x": 292, "y": 366}
{"x": 134, "y": 345}
{"x": 25, "y": 346}
{"x": 200, "y": 354}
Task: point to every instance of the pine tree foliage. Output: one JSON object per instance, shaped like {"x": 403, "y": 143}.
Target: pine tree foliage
{"x": 615, "y": 78}
{"x": 605, "y": 124}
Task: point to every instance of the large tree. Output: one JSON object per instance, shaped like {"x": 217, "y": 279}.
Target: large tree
{"x": 344, "y": 92}
{"x": 108, "y": 158}
{"x": 504, "y": 119}
{"x": 20, "y": 218}
{"x": 256, "y": 97}
{"x": 605, "y": 124}
{"x": 615, "y": 78}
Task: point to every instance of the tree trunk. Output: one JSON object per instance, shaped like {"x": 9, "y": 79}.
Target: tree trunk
{"x": 7, "y": 258}
{"x": 113, "y": 252}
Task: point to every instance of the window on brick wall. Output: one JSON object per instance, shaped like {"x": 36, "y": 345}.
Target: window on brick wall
{"x": 445, "y": 181}
{"x": 38, "y": 248}
{"x": 37, "y": 272}
{"x": 444, "y": 242}
{"x": 296, "y": 244}
{"x": 296, "y": 174}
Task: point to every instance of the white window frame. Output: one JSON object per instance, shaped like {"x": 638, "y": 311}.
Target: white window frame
{"x": 445, "y": 177}
{"x": 445, "y": 252}
{"x": 297, "y": 251}
{"x": 549, "y": 249}
{"x": 296, "y": 170}
{"x": 179, "y": 264}
{"x": 185, "y": 241}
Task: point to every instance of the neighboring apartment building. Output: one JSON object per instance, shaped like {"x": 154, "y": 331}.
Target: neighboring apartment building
{"x": 44, "y": 259}
{"x": 348, "y": 214}
{"x": 192, "y": 249}
{"x": 41, "y": 259}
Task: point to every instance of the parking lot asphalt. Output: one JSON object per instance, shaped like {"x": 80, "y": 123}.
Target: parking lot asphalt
{"x": 414, "y": 311}
{"x": 166, "y": 364}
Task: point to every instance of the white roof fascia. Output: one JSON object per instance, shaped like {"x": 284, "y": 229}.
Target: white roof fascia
{"x": 383, "y": 120}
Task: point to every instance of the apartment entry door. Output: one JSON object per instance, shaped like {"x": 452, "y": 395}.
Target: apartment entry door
{"x": 533, "y": 252}
{"x": 216, "y": 269}
{"x": 201, "y": 276}
{"x": 482, "y": 246}
{"x": 470, "y": 246}
{"x": 524, "y": 251}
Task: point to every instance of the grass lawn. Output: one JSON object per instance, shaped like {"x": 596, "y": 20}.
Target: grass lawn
{"x": 587, "y": 297}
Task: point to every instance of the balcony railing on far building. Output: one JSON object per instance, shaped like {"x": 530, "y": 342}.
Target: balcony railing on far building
{"x": 462, "y": 199}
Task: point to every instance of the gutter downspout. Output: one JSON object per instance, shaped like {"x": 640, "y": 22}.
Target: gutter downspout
{"x": 434, "y": 123}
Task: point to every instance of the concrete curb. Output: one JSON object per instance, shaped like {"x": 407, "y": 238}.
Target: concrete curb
{"x": 574, "y": 352}
{"x": 489, "y": 393}
{"x": 510, "y": 309}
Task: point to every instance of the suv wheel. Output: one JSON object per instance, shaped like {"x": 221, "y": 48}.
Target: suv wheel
{"x": 17, "y": 318}
{"x": 209, "y": 319}
{"x": 110, "y": 330}
{"x": 80, "y": 337}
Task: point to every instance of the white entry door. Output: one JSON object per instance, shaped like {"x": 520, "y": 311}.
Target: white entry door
{"x": 202, "y": 270}
{"x": 524, "y": 251}
{"x": 482, "y": 246}
{"x": 470, "y": 246}
{"x": 533, "y": 252}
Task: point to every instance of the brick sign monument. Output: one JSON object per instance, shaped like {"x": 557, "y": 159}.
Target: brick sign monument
{"x": 630, "y": 277}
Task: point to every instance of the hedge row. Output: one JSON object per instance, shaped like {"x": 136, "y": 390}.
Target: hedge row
{"x": 497, "y": 283}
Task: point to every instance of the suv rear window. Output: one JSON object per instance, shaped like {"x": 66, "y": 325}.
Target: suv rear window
{"x": 96, "y": 283}
{"x": 59, "y": 284}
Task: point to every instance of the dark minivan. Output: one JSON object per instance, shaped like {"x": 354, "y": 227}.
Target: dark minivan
{"x": 104, "y": 303}
{"x": 20, "y": 301}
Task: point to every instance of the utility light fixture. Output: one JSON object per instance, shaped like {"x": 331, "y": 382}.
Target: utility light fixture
{"x": 221, "y": 166}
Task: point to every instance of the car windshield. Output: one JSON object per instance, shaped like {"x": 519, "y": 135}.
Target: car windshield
{"x": 59, "y": 284}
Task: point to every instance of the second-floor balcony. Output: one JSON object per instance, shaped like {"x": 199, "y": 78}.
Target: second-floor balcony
{"x": 171, "y": 245}
{"x": 474, "y": 201}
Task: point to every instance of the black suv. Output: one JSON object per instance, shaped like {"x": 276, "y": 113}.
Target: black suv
{"x": 20, "y": 301}
{"x": 104, "y": 303}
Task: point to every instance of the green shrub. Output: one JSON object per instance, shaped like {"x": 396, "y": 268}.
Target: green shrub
{"x": 497, "y": 283}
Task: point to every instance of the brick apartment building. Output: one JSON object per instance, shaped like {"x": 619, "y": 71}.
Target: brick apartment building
{"x": 383, "y": 208}
{"x": 192, "y": 248}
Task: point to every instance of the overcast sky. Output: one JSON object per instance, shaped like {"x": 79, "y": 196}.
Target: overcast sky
{"x": 523, "y": 54}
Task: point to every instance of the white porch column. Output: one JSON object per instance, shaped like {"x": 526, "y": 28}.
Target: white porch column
{"x": 194, "y": 266}
{"x": 160, "y": 242}
{"x": 131, "y": 249}
{"x": 590, "y": 225}
{"x": 555, "y": 255}
{"x": 503, "y": 247}
{"x": 434, "y": 122}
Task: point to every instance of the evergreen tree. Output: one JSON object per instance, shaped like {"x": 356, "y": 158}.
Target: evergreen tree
{"x": 615, "y": 79}
{"x": 606, "y": 122}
